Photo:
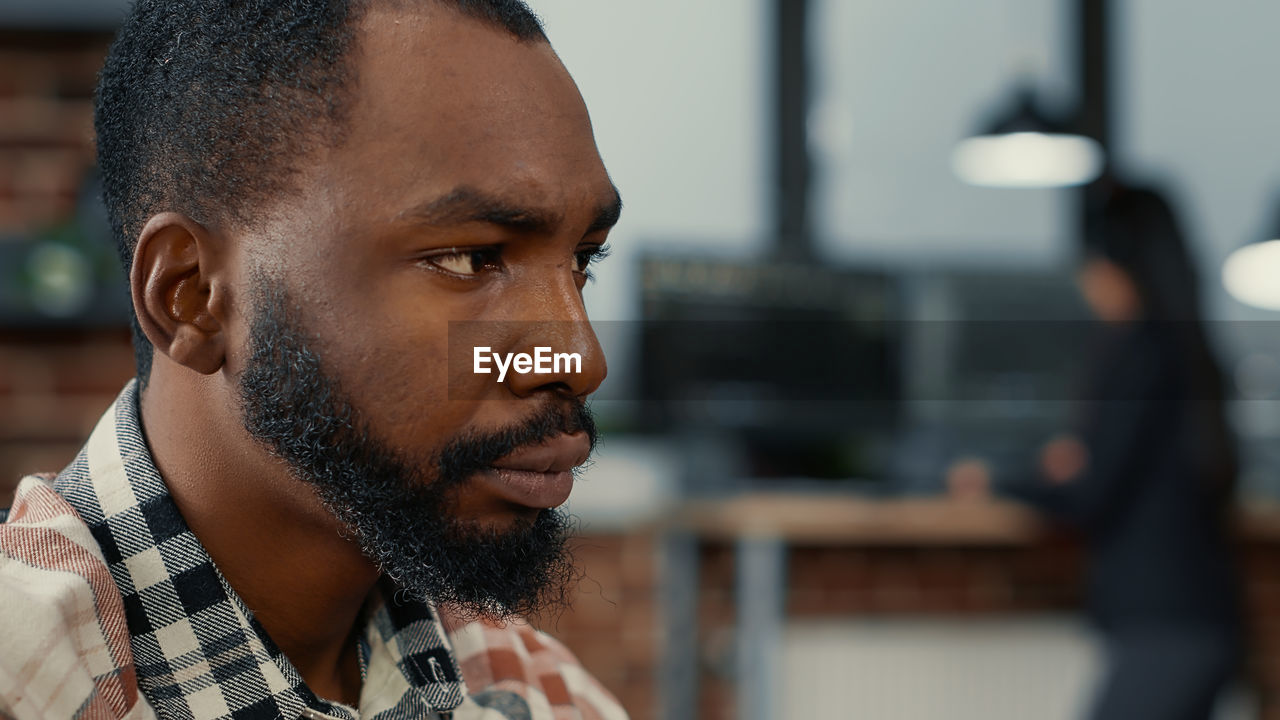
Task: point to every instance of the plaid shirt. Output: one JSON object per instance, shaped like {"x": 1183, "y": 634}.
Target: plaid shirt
{"x": 113, "y": 609}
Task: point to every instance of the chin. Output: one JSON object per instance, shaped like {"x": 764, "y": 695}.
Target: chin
{"x": 505, "y": 520}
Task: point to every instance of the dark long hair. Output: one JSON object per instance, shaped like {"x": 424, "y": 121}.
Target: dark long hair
{"x": 1137, "y": 230}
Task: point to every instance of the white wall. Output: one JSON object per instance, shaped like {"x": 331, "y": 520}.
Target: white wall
{"x": 912, "y": 668}
{"x": 680, "y": 94}
{"x": 677, "y": 94}
{"x": 907, "y": 668}
{"x": 1198, "y": 105}
{"x": 897, "y": 84}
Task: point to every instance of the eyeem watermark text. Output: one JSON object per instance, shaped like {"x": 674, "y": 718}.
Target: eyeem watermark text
{"x": 541, "y": 362}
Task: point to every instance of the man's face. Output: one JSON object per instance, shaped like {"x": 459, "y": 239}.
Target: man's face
{"x": 467, "y": 187}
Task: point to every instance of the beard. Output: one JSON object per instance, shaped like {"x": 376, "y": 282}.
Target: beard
{"x": 400, "y": 514}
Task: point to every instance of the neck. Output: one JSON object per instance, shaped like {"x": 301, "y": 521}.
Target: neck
{"x": 268, "y": 532}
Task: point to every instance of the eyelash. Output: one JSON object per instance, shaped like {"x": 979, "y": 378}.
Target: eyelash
{"x": 483, "y": 257}
{"x": 589, "y": 256}
{"x": 490, "y": 258}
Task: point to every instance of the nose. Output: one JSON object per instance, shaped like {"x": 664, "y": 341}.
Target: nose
{"x": 566, "y": 353}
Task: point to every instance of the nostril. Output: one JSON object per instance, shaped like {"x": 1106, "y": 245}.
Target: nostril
{"x": 561, "y": 388}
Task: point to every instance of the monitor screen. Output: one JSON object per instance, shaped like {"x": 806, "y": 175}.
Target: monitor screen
{"x": 754, "y": 346}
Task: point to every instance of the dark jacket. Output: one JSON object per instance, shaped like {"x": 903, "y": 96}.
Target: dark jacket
{"x": 1155, "y": 524}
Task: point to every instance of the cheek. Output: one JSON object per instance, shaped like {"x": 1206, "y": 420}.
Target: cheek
{"x": 407, "y": 368}
{"x": 399, "y": 381}
{"x": 418, "y": 387}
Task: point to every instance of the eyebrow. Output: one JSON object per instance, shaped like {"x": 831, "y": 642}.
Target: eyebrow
{"x": 466, "y": 204}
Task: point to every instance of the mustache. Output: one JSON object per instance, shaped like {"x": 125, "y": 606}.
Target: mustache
{"x": 473, "y": 452}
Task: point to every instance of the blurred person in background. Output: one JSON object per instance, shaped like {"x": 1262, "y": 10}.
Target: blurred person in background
{"x": 1147, "y": 474}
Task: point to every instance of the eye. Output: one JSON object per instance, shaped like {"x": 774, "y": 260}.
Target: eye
{"x": 467, "y": 262}
{"x": 587, "y": 256}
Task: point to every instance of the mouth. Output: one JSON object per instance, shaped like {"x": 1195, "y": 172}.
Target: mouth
{"x": 539, "y": 476}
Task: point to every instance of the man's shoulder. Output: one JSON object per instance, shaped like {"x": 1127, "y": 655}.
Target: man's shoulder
{"x": 38, "y": 510}
{"x": 515, "y": 659}
{"x": 64, "y": 630}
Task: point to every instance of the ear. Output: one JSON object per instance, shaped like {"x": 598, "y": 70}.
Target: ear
{"x": 177, "y": 291}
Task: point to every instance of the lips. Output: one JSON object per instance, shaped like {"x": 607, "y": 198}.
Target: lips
{"x": 540, "y": 476}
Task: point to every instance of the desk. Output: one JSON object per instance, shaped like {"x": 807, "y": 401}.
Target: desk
{"x": 762, "y": 528}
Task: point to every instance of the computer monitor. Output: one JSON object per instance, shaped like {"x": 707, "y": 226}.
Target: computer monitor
{"x": 798, "y": 361}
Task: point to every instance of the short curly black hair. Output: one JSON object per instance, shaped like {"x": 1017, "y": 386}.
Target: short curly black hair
{"x": 202, "y": 103}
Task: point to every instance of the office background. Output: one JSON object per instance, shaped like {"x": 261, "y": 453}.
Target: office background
{"x": 905, "y": 605}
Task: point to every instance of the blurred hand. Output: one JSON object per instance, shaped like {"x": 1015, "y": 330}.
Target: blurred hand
{"x": 969, "y": 478}
{"x": 1063, "y": 459}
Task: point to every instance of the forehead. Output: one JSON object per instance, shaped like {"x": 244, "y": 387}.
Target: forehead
{"x": 440, "y": 100}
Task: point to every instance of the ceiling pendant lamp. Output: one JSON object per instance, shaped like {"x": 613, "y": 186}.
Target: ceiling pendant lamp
{"x": 1251, "y": 274}
{"x": 1026, "y": 149}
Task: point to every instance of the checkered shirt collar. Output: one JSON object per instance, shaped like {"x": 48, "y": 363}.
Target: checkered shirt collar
{"x": 199, "y": 650}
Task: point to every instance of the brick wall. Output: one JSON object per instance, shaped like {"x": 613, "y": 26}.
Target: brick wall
{"x": 861, "y": 581}
{"x": 939, "y": 581}
{"x": 46, "y": 123}
{"x": 1259, "y": 561}
{"x": 53, "y": 389}
{"x": 53, "y": 385}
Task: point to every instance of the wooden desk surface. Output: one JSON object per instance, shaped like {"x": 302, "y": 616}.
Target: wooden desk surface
{"x": 850, "y": 520}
